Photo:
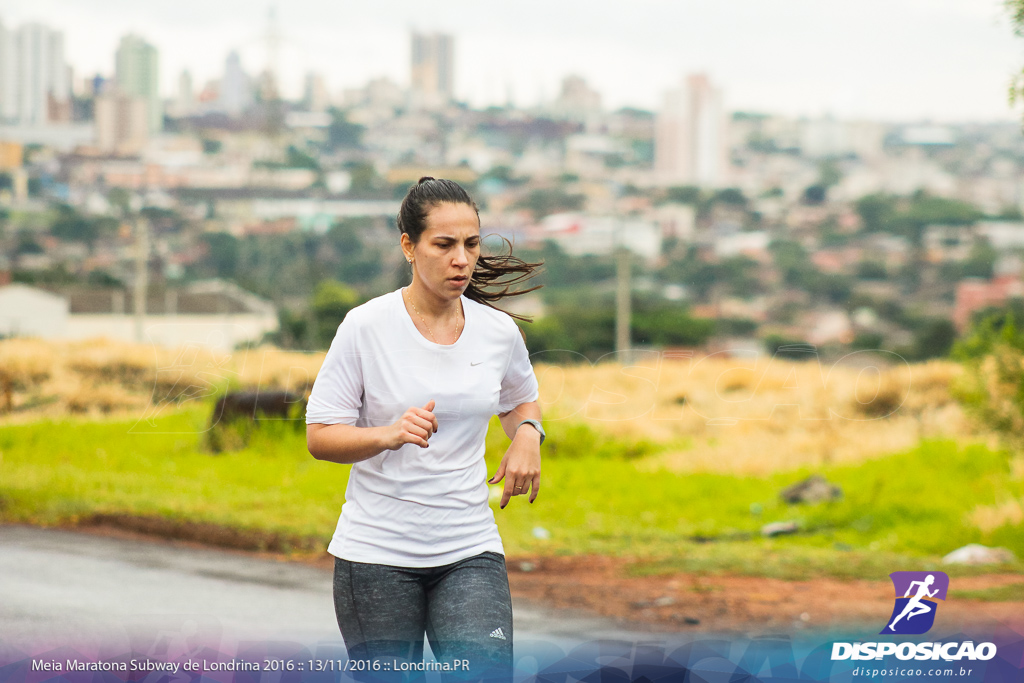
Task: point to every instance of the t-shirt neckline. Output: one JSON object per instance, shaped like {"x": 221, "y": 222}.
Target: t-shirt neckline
{"x": 411, "y": 326}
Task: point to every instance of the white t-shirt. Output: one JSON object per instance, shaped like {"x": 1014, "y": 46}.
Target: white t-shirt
{"x": 415, "y": 506}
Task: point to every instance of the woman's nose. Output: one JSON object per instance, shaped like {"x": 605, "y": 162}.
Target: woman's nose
{"x": 461, "y": 258}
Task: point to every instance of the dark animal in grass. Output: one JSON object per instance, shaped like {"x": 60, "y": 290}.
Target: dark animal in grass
{"x": 258, "y": 405}
{"x": 813, "y": 489}
{"x": 239, "y": 413}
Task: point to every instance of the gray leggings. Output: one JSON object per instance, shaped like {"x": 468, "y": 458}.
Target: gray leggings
{"x": 464, "y": 608}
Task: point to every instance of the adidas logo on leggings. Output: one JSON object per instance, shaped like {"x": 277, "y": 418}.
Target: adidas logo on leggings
{"x": 497, "y": 633}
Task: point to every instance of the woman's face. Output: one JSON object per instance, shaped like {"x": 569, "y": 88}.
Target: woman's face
{"x": 448, "y": 249}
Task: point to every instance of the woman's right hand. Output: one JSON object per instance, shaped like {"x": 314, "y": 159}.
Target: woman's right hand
{"x": 415, "y": 426}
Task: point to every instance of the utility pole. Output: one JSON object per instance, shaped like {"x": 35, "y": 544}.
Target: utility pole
{"x": 271, "y": 86}
{"x": 141, "y": 274}
{"x": 623, "y": 313}
{"x": 309, "y": 243}
{"x": 273, "y": 41}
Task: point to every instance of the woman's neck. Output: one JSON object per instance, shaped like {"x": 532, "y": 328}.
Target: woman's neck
{"x": 432, "y": 306}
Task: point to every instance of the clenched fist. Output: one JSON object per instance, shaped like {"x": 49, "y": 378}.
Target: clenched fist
{"x": 415, "y": 426}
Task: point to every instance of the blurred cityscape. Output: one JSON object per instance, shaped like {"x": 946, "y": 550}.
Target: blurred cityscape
{"x": 122, "y": 210}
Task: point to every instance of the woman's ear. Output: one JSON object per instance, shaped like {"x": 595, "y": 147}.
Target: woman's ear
{"x": 404, "y": 241}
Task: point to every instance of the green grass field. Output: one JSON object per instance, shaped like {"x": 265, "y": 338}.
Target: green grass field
{"x": 900, "y": 512}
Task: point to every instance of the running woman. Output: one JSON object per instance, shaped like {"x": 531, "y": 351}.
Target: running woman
{"x": 416, "y": 548}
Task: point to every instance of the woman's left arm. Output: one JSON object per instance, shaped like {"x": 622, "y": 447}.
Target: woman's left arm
{"x": 521, "y": 465}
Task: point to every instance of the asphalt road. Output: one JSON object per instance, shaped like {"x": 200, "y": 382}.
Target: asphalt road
{"x": 87, "y": 592}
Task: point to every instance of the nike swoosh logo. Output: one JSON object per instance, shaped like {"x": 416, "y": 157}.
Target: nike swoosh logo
{"x": 476, "y": 363}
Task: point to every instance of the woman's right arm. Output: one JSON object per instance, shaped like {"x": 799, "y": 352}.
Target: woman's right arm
{"x": 336, "y": 399}
{"x": 347, "y": 444}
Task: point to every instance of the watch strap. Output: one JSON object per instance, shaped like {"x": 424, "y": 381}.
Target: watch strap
{"x": 535, "y": 423}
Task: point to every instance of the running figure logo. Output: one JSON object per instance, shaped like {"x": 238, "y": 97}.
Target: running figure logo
{"x": 914, "y": 613}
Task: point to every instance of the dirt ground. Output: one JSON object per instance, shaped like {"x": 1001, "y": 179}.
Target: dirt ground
{"x": 739, "y": 604}
{"x": 681, "y": 602}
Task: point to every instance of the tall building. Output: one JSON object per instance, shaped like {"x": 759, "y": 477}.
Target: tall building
{"x": 185, "y": 101}
{"x": 35, "y": 86}
{"x": 137, "y": 75}
{"x": 8, "y": 77}
{"x": 315, "y": 96}
{"x": 433, "y": 67}
{"x": 690, "y": 138}
{"x": 122, "y": 123}
{"x": 577, "y": 101}
{"x": 236, "y": 87}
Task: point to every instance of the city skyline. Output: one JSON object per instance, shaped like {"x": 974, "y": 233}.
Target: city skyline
{"x": 883, "y": 60}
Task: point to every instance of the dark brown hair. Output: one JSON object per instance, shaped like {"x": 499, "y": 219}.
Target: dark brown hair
{"x": 489, "y": 271}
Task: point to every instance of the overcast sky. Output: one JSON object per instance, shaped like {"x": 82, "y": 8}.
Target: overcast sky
{"x": 945, "y": 60}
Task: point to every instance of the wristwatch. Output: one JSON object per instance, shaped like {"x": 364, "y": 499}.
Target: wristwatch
{"x": 535, "y": 423}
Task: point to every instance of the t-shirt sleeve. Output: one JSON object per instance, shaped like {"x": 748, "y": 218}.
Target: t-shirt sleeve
{"x": 337, "y": 392}
{"x": 519, "y": 385}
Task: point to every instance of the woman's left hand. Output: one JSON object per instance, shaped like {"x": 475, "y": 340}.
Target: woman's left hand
{"x": 520, "y": 467}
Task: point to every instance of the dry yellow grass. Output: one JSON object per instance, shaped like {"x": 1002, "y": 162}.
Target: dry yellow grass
{"x": 747, "y": 416}
{"x": 25, "y": 361}
{"x": 741, "y": 416}
{"x": 290, "y": 370}
{"x": 98, "y": 377}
